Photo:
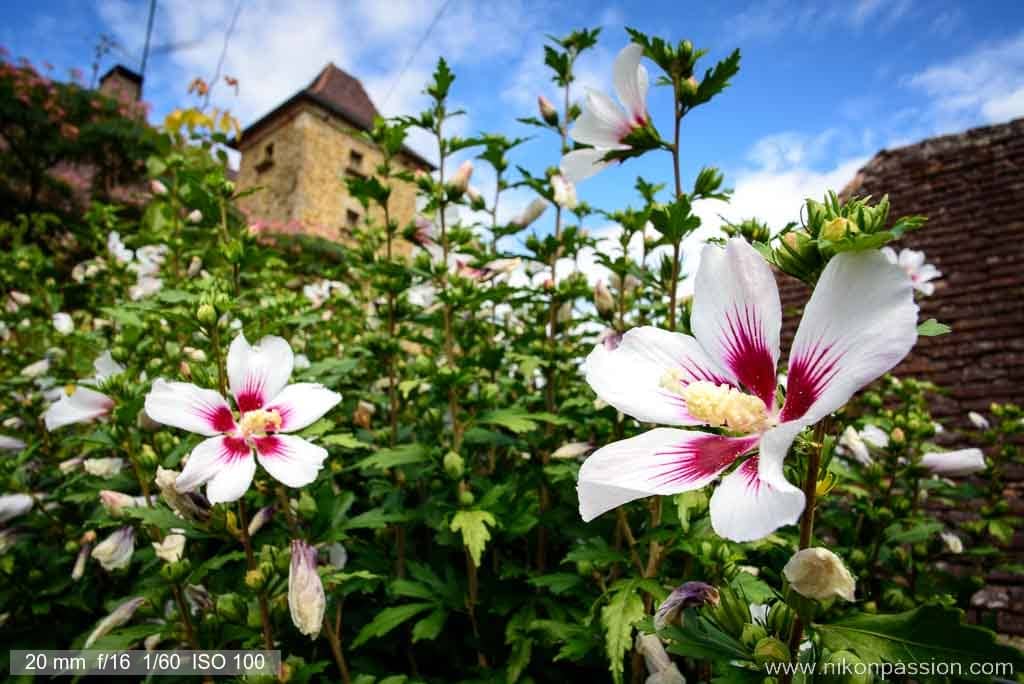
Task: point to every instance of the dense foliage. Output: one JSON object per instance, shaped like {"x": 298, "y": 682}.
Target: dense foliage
{"x": 444, "y": 526}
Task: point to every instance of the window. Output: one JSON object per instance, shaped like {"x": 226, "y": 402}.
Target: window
{"x": 355, "y": 160}
{"x": 351, "y": 218}
{"x": 269, "y": 151}
{"x": 268, "y": 159}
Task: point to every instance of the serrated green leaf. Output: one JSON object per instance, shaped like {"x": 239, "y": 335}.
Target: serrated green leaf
{"x": 625, "y": 609}
{"x": 557, "y": 583}
{"x": 387, "y": 619}
{"x": 429, "y": 627}
{"x": 932, "y": 328}
{"x": 345, "y": 440}
{"x": 405, "y": 454}
{"x": 475, "y": 535}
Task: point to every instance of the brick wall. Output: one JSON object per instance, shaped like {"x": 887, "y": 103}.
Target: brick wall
{"x": 971, "y": 187}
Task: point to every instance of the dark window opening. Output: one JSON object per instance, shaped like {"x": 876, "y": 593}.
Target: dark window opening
{"x": 355, "y": 160}
{"x": 351, "y": 218}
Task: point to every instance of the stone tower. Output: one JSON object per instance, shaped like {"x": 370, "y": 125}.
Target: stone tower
{"x": 122, "y": 84}
{"x": 300, "y": 153}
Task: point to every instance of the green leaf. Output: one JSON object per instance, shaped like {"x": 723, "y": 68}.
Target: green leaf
{"x": 473, "y": 526}
{"x": 618, "y": 617}
{"x": 387, "y": 619}
{"x": 557, "y": 583}
{"x": 518, "y": 420}
{"x": 927, "y": 634}
{"x": 345, "y": 440}
{"x": 699, "y": 637}
{"x": 406, "y": 454}
{"x": 373, "y": 519}
{"x": 161, "y": 517}
{"x": 753, "y": 589}
{"x": 897, "y": 534}
{"x": 932, "y": 328}
{"x": 429, "y": 627}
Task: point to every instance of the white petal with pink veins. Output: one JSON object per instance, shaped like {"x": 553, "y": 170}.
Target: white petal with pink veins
{"x": 583, "y": 163}
{"x": 289, "y": 459}
{"x": 225, "y": 464}
{"x": 633, "y": 376}
{"x": 744, "y": 507}
{"x": 258, "y": 372}
{"x": 602, "y": 123}
{"x": 661, "y": 461}
{"x": 630, "y": 79}
{"x": 955, "y": 463}
{"x": 186, "y": 406}
{"x": 737, "y": 315}
{"x": 302, "y": 404}
{"x": 81, "y": 406}
{"x": 861, "y": 321}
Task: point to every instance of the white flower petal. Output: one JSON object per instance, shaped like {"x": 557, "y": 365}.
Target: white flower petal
{"x": 11, "y": 443}
{"x": 660, "y": 461}
{"x": 258, "y": 372}
{"x": 290, "y": 460}
{"x": 629, "y": 377}
{"x": 225, "y": 463}
{"x": 82, "y": 405}
{"x": 14, "y": 505}
{"x": 630, "y": 85}
{"x": 955, "y": 463}
{"x": 602, "y": 123}
{"x": 188, "y": 407}
{"x": 302, "y": 404}
{"x": 737, "y": 315}
{"x": 744, "y": 507}
{"x": 106, "y": 367}
{"x": 861, "y": 321}
{"x": 875, "y": 436}
{"x": 583, "y": 163}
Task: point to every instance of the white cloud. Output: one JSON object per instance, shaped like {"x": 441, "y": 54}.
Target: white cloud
{"x": 985, "y": 85}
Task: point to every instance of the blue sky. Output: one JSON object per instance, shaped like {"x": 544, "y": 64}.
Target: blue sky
{"x": 823, "y": 86}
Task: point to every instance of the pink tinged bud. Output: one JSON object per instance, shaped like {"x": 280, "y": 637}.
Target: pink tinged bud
{"x": 688, "y": 595}
{"x": 819, "y": 574}
{"x": 261, "y": 518}
{"x": 532, "y": 212}
{"x": 114, "y": 502}
{"x": 306, "y": 599}
{"x": 564, "y": 192}
{"x": 14, "y": 505}
{"x": 122, "y": 614}
{"x": 194, "y": 216}
{"x": 83, "y": 557}
{"x": 460, "y": 181}
{"x": 603, "y": 299}
{"x": 547, "y": 111}
{"x": 116, "y": 551}
{"x": 157, "y": 188}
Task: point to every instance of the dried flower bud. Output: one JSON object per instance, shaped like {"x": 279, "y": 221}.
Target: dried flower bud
{"x": 115, "y": 551}
{"x": 819, "y": 574}
{"x": 363, "y": 414}
{"x": 261, "y": 518}
{"x": 573, "y": 450}
{"x": 122, "y": 614}
{"x": 14, "y": 505}
{"x": 306, "y": 599}
{"x": 688, "y": 595}
{"x": 171, "y": 548}
{"x": 115, "y": 501}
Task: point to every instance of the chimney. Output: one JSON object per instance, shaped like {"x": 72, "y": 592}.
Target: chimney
{"x": 122, "y": 84}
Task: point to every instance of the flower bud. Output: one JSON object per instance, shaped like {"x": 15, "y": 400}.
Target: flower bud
{"x": 157, "y": 188}
{"x": 531, "y": 213}
{"x": 306, "y": 599}
{"x": 838, "y": 228}
{"x": 844, "y": 667}
{"x": 194, "y": 216}
{"x": 115, "y": 501}
{"x": 819, "y": 574}
{"x": 14, "y": 505}
{"x": 771, "y": 650}
{"x": 603, "y": 299}
{"x": 564, "y": 192}
{"x": 689, "y": 86}
{"x": 63, "y": 324}
{"x": 115, "y": 551}
{"x": 231, "y": 607}
{"x": 454, "y": 465}
{"x": 752, "y": 634}
{"x": 254, "y": 579}
{"x": 80, "y": 560}
{"x": 460, "y": 181}
{"x": 206, "y": 314}
{"x": 171, "y": 548}
{"x": 897, "y": 436}
{"x": 547, "y": 111}
{"x": 573, "y": 450}
{"x": 261, "y": 518}
{"x": 688, "y": 595}
{"x": 122, "y": 614}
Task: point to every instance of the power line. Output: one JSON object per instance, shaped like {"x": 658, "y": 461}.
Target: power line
{"x": 223, "y": 53}
{"x": 412, "y": 56}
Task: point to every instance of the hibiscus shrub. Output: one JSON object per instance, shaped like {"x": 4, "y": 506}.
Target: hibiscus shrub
{"x": 381, "y": 465}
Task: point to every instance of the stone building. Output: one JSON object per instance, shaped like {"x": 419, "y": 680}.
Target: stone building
{"x": 122, "y": 84}
{"x": 971, "y": 188}
{"x": 300, "y": 153}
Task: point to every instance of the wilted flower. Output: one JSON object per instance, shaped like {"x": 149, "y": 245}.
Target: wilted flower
{"x": 261, "y": 518}
{"x": 11, "y": 443}
{"x": 115, "y": 501}
{"x": 912, "y": 261}
{"x": 603, "y": 123}
{"x": 70, "y": 465}
{"x": 188, "y": 505}
{"x": 688, "y": 595}
{"x": 573, "y": 450}
{"x": 171, "y": 548}
{"x": 80, "y": 403}
{"x": 564, "y": 192}
{"x": 34, "y": 370}
{"x": 952, "y": 542}
{"x": 531, "y": 213}
{"x": 363, "y": 414}
{"x": 724, "y": 376}
{"x": 116, "y": 550}
{"x": 855, "y": 443}
{"x": 63, "y": 324}
{"x": 269, "y": 408}
{"x": 547, "y": 110}
{"x": 122, "y": 614}
{"x": 818, "y": 573}
{"x": 977, "y": 420}
{"x": 14, "y": 505}
{"x": 103, "y": 467}
{"x": 306, "y": 599}
{"x": 955, "y": 463}
{"x": 460, "y": 180}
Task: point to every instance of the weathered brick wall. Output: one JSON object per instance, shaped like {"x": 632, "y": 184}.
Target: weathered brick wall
{"x": 971, "y": 187}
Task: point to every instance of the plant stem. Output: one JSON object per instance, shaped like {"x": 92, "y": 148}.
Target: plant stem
{"x": 333, "y": 633}
{"x": 250, "y": 559}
